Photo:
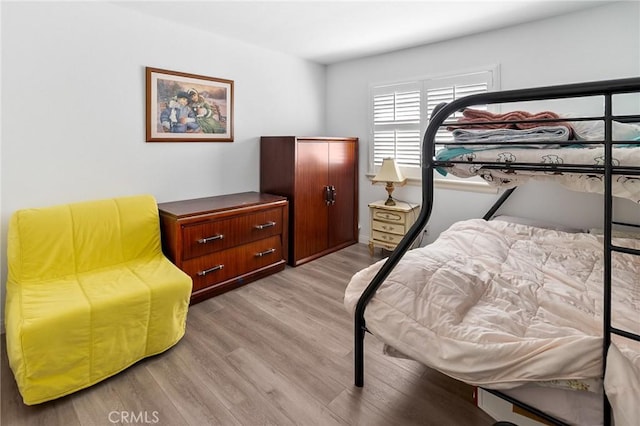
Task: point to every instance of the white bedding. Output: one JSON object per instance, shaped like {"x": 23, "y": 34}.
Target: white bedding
{"x": 499, "y": 305}
{"x": 623, "y": 186}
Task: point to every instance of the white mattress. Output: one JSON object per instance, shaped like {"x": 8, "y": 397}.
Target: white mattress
{"x": 499, "y": 305}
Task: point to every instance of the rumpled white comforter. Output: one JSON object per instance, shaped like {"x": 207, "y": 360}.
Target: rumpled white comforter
{"x": 499, "y": 304}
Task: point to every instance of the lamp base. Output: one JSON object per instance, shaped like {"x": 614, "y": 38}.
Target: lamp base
{"x": 390, "y": 201}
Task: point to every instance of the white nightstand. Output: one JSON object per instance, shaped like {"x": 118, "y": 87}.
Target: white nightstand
{"x": 390, "y": 223}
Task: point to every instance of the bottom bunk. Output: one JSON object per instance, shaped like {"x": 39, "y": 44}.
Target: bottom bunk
{"x": 504, "y": 305}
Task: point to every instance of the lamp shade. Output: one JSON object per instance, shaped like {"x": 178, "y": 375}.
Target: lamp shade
{"x": 389, "y": 172}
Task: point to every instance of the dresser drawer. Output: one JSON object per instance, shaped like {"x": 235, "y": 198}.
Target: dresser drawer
{"x": 236, "y": 261}
{"x": 386, "y": 237}
{"x": 389, "y": 216}
{"x": 393, "y": 228}
{"x": 202, "y": 238}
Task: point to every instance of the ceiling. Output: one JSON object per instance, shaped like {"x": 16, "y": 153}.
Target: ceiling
{"x": 332, "y": 31}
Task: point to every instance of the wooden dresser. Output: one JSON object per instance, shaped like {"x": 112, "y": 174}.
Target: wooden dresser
{"x": 226, "y": 241}
{"x": 319, "y": 177}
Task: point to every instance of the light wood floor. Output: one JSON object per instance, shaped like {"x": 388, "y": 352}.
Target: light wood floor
{"x": 275, "y": 352}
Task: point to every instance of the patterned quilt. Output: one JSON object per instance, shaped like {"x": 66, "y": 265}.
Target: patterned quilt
{"x": 624, "y": 155}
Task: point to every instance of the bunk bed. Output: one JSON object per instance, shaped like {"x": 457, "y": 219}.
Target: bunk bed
{"x": 507, "y": 306}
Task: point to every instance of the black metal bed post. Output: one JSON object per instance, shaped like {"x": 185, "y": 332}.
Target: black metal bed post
{"x": 358, "y": 351}
{"x": 608, "y": 219}
{"x": 428, "y": 152}
{"x": 383, "y": 272}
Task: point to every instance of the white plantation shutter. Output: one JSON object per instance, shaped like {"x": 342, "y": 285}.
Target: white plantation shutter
{"x": 401, "y": 114}
{"x": 396, "y": 124}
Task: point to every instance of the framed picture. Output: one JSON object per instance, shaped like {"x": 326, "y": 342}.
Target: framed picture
{"x": 185, "y": 107}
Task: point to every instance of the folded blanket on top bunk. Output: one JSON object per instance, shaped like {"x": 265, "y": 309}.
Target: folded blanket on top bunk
{"x": 499, "y": 304}
{"x": 481, "y": 119}
{"x": 542, "y": 134}
{"x": 588, "y": 130}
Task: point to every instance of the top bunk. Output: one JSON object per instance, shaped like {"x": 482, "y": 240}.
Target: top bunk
{"x": 584, "y": 136}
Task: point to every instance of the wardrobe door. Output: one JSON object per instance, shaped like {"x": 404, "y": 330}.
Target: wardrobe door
{"x": 342, "y": 222}
{"x": 311, "y": 218}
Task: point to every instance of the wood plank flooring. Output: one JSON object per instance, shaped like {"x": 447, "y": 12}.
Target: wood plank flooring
{"x": 275, "y": 352}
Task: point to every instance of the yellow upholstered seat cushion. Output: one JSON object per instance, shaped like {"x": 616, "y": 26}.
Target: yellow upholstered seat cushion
{"x": 89, "y": 293}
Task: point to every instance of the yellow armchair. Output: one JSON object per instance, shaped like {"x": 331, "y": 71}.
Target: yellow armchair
{"x": 89, "y": 293}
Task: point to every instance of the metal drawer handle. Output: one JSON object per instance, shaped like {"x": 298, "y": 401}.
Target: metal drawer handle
{"x": 206, "y": 240}
{"x": 266, "y": 252}
{"x": 265, "y": 225}
{"x": 207, "y": 271}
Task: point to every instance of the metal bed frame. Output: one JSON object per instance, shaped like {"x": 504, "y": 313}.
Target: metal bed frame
{"x": 607, "y": 89}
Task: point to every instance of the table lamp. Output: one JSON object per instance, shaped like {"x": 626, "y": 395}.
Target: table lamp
{"x": 389, "y": 173}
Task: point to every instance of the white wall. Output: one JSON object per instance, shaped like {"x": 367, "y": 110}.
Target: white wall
{"x": 597, "y": 44}
{"x": 73, "y": 97}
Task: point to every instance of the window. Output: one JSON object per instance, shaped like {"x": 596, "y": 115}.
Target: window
{"x": 401, "y": 114}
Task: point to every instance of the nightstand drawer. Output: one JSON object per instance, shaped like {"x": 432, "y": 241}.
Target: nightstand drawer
{"x": 389, "y": 216}
{"x": 386, "y": 237}
{"x": 393, "y": 228}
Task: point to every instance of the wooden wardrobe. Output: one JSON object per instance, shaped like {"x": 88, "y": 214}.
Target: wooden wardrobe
{"x": 319, "y": 177}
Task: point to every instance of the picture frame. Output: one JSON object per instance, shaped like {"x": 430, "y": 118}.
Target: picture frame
{"x": 183, "y": 107}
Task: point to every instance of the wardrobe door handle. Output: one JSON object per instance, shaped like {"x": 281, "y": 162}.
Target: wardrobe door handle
{"x": 208, "y": 239}
{"x": 208, "y": 271}
{"x": 333, "y": 194}
{"x": 327, "y": 195}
